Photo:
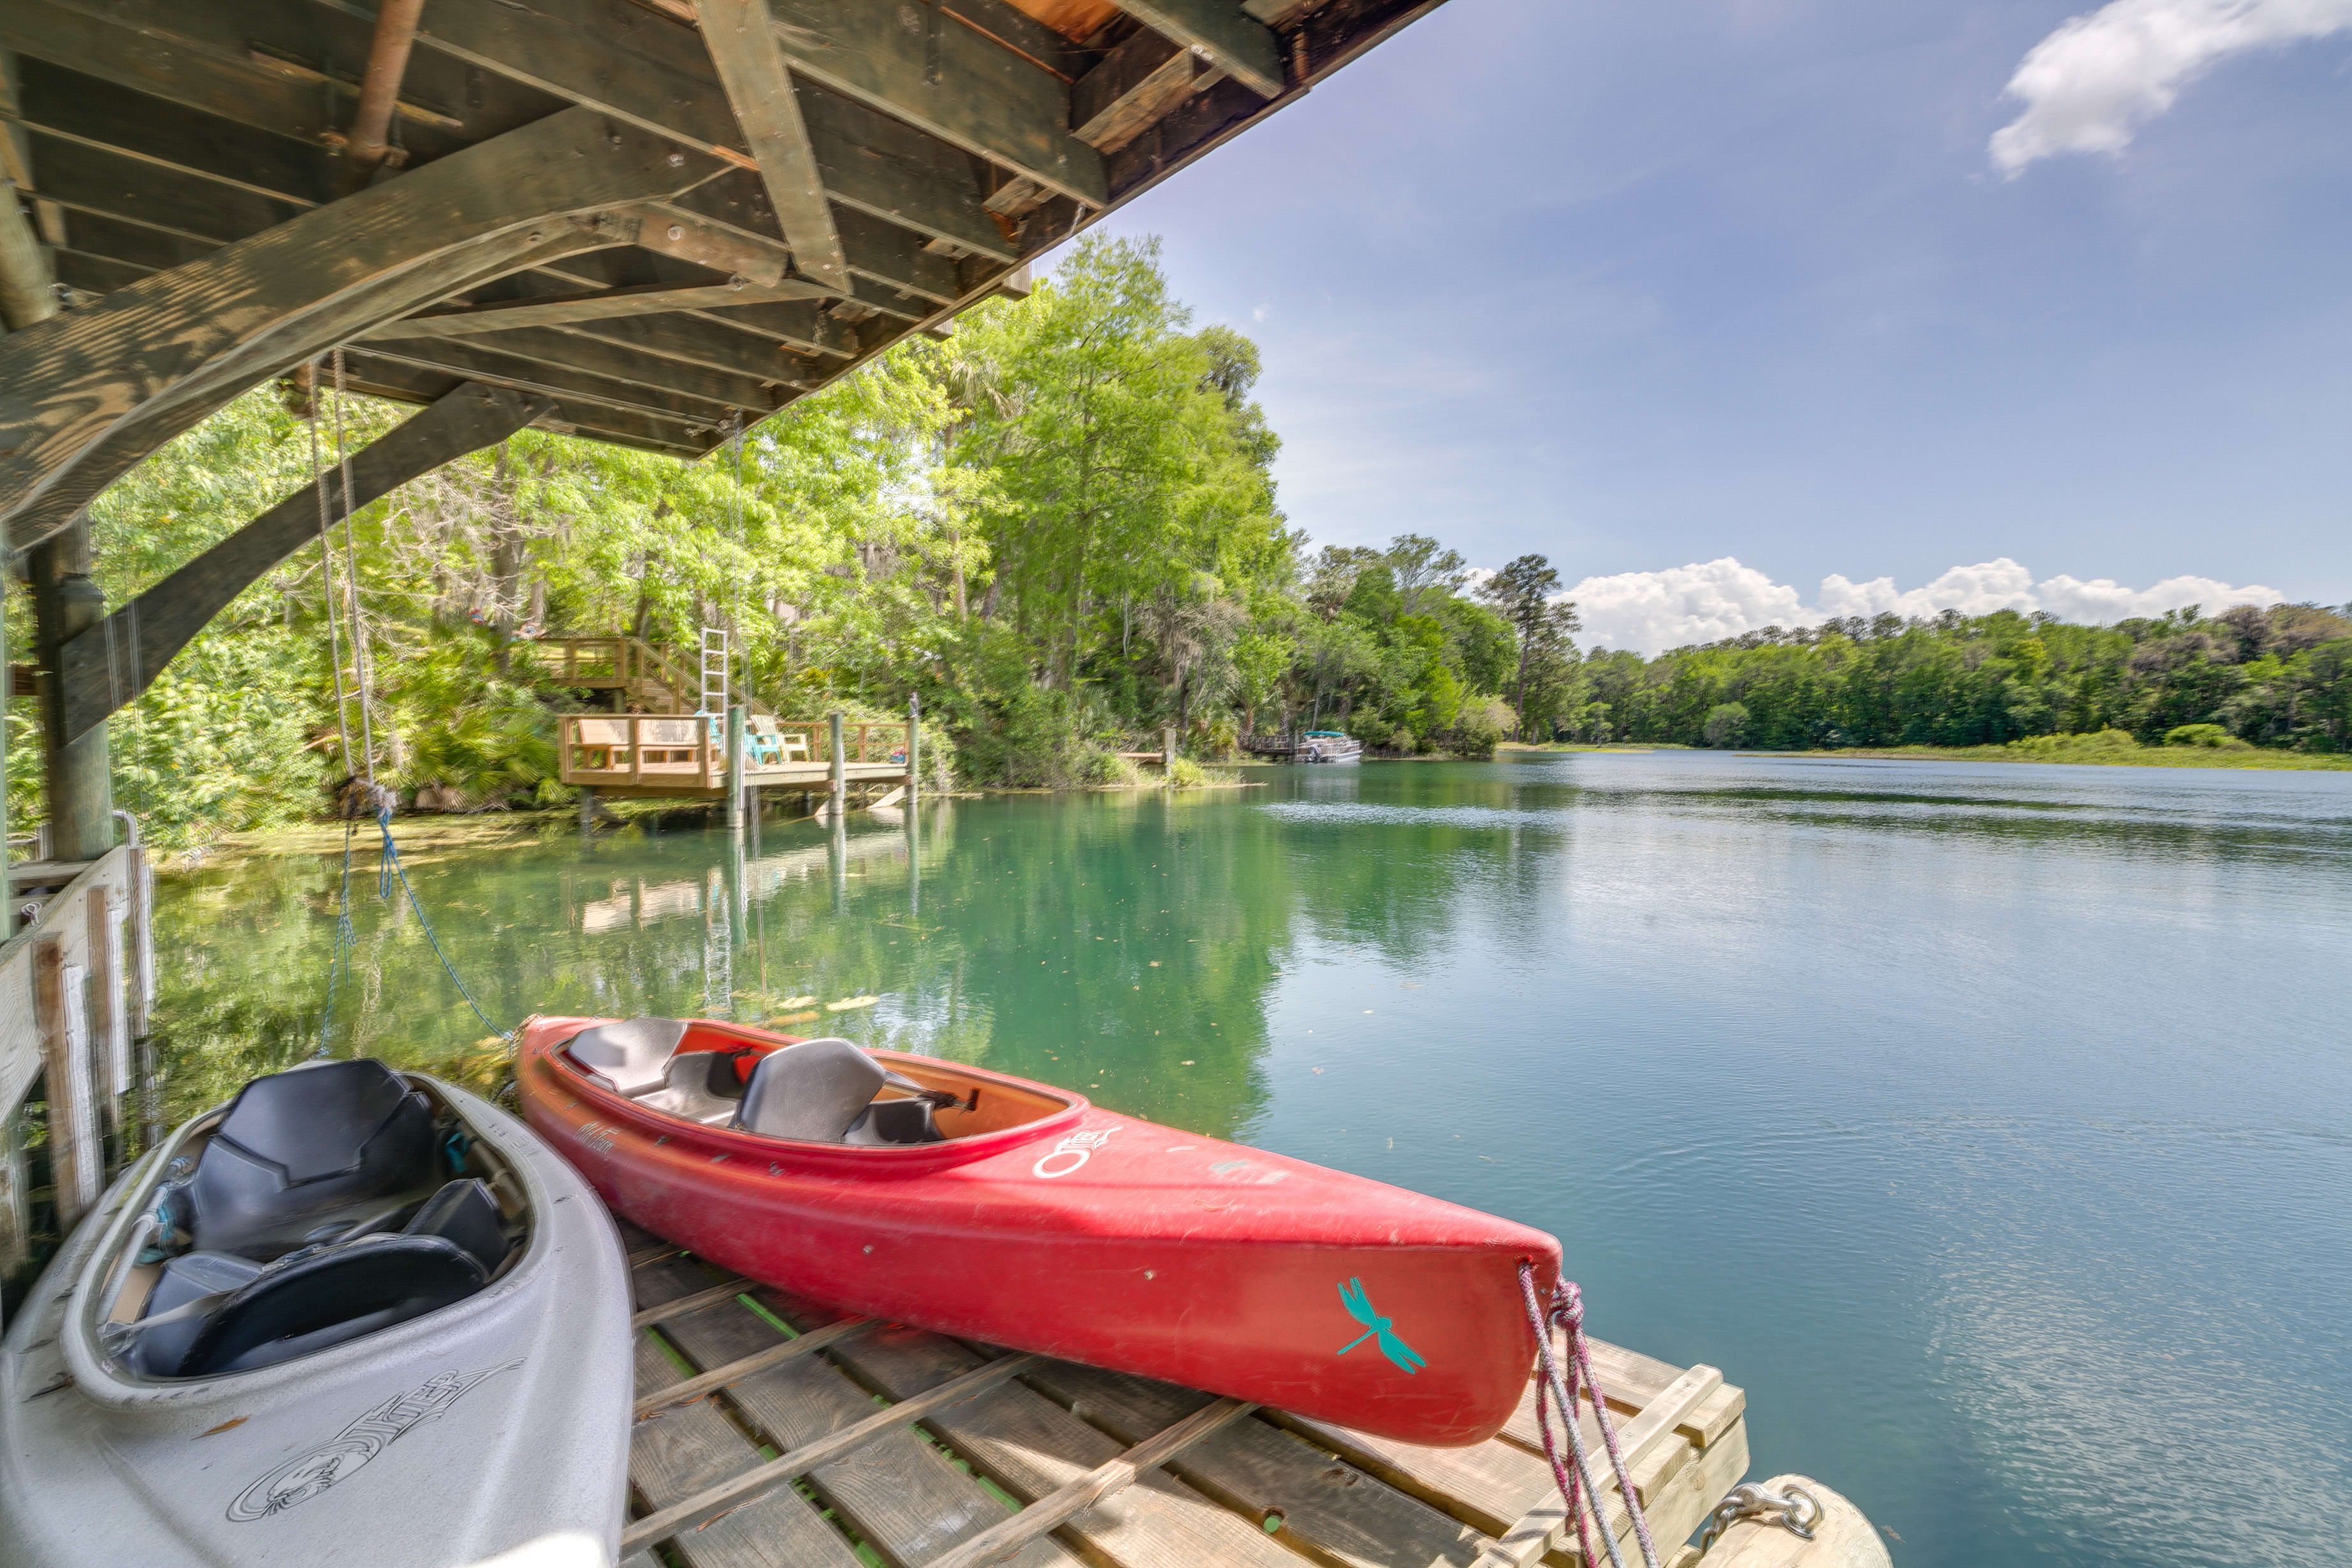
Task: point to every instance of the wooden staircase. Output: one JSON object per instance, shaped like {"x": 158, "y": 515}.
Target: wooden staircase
{"x": 650, "y": 678}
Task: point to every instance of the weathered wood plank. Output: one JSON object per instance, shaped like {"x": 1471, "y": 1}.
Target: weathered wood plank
{"x": 644, "y": 299}
{"x": 1001, "y": 1543}
{"x": 1547, "y": 1525}
{"x": 75, "y": 1159}
{"x": 406, "y": 382}
{"x": 1329, "y": 1507}
{"x": 79, "y": 177}
{"x": 64, "y": 103}
{"x": 589, "y": 367}
{"x": 896, "y": 1491}
{"x": 1241, "y": 46}
{"x": 111, "y": 663}
{"x": 1135, "y": 86}
{"x": 741, "y": 38}
{"x": 917, "y": 65}
{"x": 690, "y": 1448}
{"x": 714, "y": 1501}
{"x": 85, "y": 395}
{"x": 799, "y": 324}
{"x": 715, "y": 343}
{"x": 1032, "y": 1447}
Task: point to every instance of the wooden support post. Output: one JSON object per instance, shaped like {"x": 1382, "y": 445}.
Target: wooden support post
{"x": 839, "y": 802}
{"x": 735, "y": 769}
{"x": 109, "y": 665}
{"x": 587, "y": 808}
{"x": 15, "y": 1206}
{"x": 1168, "y": 749}
{"x": 66, "y": 603}
{"x": 914, "y": 751}
{"x": 7, "y": 682}
{"x": 109, "y": 1034}
{"x": 75, "y": 1158}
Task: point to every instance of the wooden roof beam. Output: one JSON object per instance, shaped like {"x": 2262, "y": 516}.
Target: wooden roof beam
{"x": 741, "y": 39}
{"x": 577, "y": 364}
{"x": 675, "y": 432}
{"x": 1136, "y": 85}
{"x": 564, "y": 309}
{"x": 1240, "y": 46}
{"x": 85, "y": 395}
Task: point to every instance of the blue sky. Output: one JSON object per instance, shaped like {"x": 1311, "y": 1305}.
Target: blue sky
{"x": 1713, "y": 301}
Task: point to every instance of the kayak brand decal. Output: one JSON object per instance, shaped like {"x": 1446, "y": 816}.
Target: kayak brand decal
{"x": 301, "y": 1478}
{"x": 1359, "y": 1303}
{"x": 1070, "y": 1154}
{"x": 597, "y": 1138}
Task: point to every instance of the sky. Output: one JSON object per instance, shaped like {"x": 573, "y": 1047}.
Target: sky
{"x": 1746, "y": 312}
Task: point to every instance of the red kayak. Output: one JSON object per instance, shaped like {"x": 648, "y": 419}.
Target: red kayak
{"x": 929, "y": 1192}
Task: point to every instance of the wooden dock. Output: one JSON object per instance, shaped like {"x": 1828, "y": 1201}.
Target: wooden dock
{"x": 685, "y": 753}
{"x": 775, "y": 1432}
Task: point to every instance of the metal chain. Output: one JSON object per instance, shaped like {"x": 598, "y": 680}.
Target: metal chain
{"x": 1799, "y": 1509}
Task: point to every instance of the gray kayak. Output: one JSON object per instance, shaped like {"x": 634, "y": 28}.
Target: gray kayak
{"x": 352, "y": 1316}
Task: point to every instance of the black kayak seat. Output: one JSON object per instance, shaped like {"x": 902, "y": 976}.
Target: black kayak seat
{"x": 630, "y": 1058}
{"x": 894, "y": 1121}
{"x": 185, "y": 1279}
{"x": 304, "y": 1151}
{"x": 311, "y": 1300}
{"x": 465, "y": 1213}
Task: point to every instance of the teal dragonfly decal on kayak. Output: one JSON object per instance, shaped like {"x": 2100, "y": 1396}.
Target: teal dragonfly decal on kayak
{"x": 1359, "y": 1303}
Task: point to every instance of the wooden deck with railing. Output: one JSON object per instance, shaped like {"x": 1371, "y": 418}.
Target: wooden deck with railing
{"x": 685, "y": 753}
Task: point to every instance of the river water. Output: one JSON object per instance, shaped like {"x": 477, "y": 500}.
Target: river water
{"x": 1992, "y": 1124}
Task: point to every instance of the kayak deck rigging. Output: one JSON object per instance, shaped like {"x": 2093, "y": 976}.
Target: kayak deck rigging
{"x": 771, "y": 1428}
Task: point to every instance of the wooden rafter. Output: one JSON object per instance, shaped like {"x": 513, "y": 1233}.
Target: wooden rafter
{"x": 741, "y": 39}
{"x": 85, "y": 395}
{"x": 1242, "y": 46}
{"x": 641, "y": 301}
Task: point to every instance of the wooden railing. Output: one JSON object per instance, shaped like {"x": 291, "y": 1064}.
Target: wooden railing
{"x": 74, "y": 988}
{"x": 609, "y": 661}
{"x": 687, "y": 750}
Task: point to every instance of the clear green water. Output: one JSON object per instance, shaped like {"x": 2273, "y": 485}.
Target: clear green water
{"x": 1992, "y": 1124}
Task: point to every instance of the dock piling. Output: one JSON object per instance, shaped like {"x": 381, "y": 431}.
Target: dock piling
{"x": 840, "y": 800}
{"x": 735, "y": 769}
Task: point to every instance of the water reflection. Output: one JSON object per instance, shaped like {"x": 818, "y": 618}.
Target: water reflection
{"x": 1986, "y": 1122}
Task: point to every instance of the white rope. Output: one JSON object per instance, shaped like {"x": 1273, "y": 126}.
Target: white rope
{"x": 352, "y": 585}
{"x": 327, "y": 563}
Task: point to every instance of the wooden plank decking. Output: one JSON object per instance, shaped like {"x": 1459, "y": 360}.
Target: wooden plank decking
{"x": 764, "y": 1439}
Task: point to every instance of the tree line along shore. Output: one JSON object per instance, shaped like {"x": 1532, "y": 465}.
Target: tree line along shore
{"x": 1059, "y": 529}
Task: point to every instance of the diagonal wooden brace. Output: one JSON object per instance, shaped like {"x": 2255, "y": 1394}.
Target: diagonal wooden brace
{"x": 111, "y": 663}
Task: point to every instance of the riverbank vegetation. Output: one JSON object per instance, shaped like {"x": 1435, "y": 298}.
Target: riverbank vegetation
{"x": 1058, "y": 529}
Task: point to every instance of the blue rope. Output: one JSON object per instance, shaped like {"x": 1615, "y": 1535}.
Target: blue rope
{"x": 392, "y": 868}
{"x": 346, "y": 940}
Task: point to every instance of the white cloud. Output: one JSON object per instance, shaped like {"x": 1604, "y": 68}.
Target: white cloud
{"x": 2089, "y": 85}
{"x": 1262, "y": 314}
{"x": 1706, "y": 601}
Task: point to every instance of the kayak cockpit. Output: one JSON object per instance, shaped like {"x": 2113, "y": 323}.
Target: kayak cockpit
{"x": 807, "y": 1092}
{"x": 321, "y": 1204}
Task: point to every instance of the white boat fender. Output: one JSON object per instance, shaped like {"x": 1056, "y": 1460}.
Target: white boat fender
{"x": 1791, "y": 1521}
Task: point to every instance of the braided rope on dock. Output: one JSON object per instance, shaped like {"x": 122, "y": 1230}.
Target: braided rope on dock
{"x": 1565, "y": 1309}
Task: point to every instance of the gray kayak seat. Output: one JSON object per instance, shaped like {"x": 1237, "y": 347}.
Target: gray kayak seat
{"x": 700, "y": 1086}
{"x": 630, "y": 1058}
{"x": 823, "y": 1091}
{"x": 894, "y": 1121}
{"x": 812, "y": 1091}
{"x": 306, "y": 1155}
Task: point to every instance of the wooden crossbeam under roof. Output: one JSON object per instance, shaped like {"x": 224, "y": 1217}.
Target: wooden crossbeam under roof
{"x": 806, "y": 181}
